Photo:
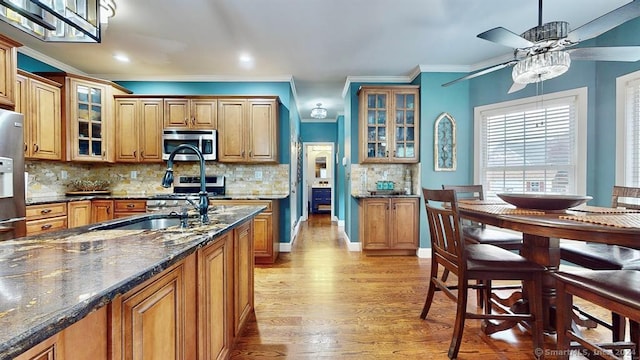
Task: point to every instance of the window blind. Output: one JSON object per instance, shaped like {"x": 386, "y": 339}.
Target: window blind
{"x": 632, "y": 135}
{"x": 530, "y": 147}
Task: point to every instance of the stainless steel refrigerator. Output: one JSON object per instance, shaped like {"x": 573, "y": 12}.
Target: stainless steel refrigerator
{"x": 12, "y": 181}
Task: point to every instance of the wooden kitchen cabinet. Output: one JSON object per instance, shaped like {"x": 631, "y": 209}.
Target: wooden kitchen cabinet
{"x": 79, "y": 213}
{"x": 8, "y": 68}
{"x": 101, "y": 210}
{"x": 158, "y": 319}
{"x": 87, "y": 113}
{"x": 139, "y": 123}
{"x": 248, "y": 130}
{"x": 192, "y": 113}
{"x": 389, "y": 226}
{"x": 215, "y": 280}
{"x": 266, "y": 238}
{"x": 44, "y": 218}
{"x": 243, "y": 266}
{"x": 389, "y": 124}
{"x": 124, "y": 208}
{"x": 73, "y": 343}
{"x": 38, "y": 99}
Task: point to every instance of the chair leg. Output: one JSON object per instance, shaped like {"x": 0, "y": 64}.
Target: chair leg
{"x": 535, "y": 308}
{"x": 445, "y": 275}
{"x": 618, "y": 327}
{"x": 431, "y": 290}
{"x": 485, "y": 292}
{"x": 480, "y": 294}
{"x": 634, "y": 337}
{"x": 563, "y": 320}
{"x": 461, "y": 313}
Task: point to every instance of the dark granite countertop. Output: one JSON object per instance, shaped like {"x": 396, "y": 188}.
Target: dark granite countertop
{"x": 50, "y": 281}
{"x": 69, "y": 198}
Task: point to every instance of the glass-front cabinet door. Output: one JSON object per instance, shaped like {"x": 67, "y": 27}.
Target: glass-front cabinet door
{"x": 405, "y": 126}
{"x": 88, "y": 135}
{"x": 377, "y": 112}
{"x": 389, "y": 124}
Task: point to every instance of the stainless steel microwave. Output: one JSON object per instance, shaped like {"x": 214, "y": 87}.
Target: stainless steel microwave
{"x": 204, "y": 140}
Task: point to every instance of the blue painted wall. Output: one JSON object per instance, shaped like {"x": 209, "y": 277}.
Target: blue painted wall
{"x": 319, "y": 131}
{"x": 340, "y": 170}
{"x": 30, "y": 64}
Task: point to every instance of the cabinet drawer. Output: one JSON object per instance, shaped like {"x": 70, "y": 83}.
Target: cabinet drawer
{"x": 45, "y": 225}
{"x": 130, "y": 205}
{"x": 35, "y": 212}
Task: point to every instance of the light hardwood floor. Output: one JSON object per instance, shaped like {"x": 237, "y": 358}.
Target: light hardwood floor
{"x": 321, "y": 301}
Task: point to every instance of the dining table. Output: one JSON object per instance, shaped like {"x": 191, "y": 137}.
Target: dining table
{"x": 542, "y": 231}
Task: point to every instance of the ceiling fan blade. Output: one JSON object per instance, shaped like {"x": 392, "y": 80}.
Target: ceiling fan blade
{"x": 606, "y": 22}
{"x": 516, "y": 87}
{"x": 482, "y": 72}
{"x": 505, "y": 37}
{"x": 605, "y": 53}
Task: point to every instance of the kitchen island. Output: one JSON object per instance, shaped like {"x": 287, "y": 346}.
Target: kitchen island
{"x": 173, "y": 281}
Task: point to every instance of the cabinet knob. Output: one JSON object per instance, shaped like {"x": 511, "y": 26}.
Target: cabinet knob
{"x": 36, "y": 147}
{"x": 26, "y": 147}
{"x": 130, "y": 206}
{"x": 142, "y": 153}
{"x": 242, "y": 153}
{"x": 45, "y": 211}
{"x": 108, "y": 209}
{"x": 46, "y": 226}
{"x": 186, "y": 121}
{"x": 193, "y": 120}
{"x": 134, "y": 153}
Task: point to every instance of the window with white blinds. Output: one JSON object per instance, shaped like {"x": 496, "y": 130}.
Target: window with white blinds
{"x": 531, "y": 145}
{"x": 628, "y": 131}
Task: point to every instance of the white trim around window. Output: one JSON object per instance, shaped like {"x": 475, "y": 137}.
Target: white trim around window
{"x": 578, "y": 98}
{"x": 628, "y": 130}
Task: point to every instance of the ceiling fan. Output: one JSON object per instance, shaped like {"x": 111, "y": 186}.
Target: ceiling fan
{"x": 545, "y": 51}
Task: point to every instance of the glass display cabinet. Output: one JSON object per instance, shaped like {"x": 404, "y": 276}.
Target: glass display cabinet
{"x": 389, "y": 123}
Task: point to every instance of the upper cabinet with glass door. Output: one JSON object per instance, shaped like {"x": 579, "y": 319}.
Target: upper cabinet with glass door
{"x": 389, "y": 124}
{"x": 88, "y": 116}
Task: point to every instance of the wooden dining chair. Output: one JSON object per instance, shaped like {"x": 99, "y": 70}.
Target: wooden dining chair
{"x": 478, "y": 233}
{"x": 469, "y": 262}
{"x": 599, "y": 256}
{"x": 615, "y": 290}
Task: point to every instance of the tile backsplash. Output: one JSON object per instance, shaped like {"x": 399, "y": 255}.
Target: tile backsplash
{"x": 365, "y": 176}
{"x": 46, "y": 178}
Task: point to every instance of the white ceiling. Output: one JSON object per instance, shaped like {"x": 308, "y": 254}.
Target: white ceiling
{"x": 317, "y": 43}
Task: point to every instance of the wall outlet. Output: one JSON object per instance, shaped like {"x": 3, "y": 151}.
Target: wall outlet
{"x": 134, "y": 174}
{"x": 258, "y": 175}
{"x": 64, "y": 175}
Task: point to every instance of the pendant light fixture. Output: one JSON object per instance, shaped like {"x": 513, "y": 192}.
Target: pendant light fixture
{"x": 319, "y": 112}
{"x": 58, "y": 20}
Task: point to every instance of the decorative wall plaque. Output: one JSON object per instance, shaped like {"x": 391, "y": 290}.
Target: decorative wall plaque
{"x": 444, "y": 144}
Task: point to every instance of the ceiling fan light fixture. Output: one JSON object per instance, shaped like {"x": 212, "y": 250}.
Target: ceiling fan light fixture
{"x": 319, "y": 112}
{"x": 541, "y": 67}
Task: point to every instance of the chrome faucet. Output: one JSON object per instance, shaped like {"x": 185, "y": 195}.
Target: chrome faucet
{"x": 167, "y": 180}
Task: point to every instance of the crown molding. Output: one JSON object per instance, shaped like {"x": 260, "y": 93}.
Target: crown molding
{"x": 373, "y": 79}
{"x": 49, "y": 60}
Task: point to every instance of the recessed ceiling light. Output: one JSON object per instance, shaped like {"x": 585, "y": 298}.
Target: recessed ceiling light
{"x": 246, "y": 61}
{"x": 121, "y": 57}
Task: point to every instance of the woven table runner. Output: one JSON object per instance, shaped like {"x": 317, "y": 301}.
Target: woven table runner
{"x": 500, "y": 209}
{"x": 603, "y": 210}
{"x": 620, "y": 220}
{"x": 481, "y": 202}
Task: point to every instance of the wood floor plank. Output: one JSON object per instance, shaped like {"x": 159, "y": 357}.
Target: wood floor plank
{"x": 321, "y": 301}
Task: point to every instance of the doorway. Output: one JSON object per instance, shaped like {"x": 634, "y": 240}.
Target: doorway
{"x": 318, "y": 179}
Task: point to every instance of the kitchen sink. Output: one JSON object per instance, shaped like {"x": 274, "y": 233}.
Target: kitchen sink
{"x": 151, "y": 222}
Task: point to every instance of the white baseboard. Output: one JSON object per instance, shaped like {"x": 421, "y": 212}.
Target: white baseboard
{"x": 424, "y": 253}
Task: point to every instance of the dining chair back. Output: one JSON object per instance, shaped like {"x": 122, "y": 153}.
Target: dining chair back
{"x": 625, "y": 197}
{"x": 476, "y": 262}
{"x": 479, "y": 233}
{"x": 599, "y": 256}
{"x": 615, "y": 290}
